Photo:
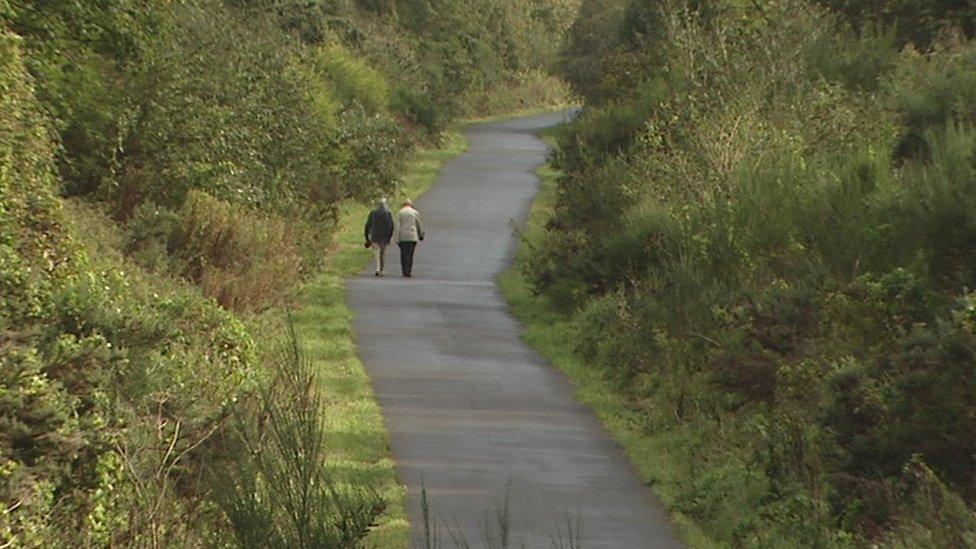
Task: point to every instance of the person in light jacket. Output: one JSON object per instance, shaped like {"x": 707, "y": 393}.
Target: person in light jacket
{"x": 410, "y": 231}
{"x": 379, "y": 232}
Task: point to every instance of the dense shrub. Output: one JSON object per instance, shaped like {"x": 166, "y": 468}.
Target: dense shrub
{"x": 102, "y": 400}
{"x": 589, "y": 50}
{"x": 353, "y": 82}
{"x": 418, "y": 108}
{"x": 244, "y": 260}
{"x": 766, "y": 228}
{"x": 917, "y": 22}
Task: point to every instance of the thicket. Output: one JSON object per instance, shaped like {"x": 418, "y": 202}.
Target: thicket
{"x": 765, "y": 234}
{"x": 170, "y": 174}
{"x": 110, "y": 395}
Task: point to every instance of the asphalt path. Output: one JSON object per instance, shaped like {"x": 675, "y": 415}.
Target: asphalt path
{"x": 475, "y": 415}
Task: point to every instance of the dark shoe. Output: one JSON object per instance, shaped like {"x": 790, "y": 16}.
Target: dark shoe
{"x": 408, "y": 275}
{"x": 378, "y": 273}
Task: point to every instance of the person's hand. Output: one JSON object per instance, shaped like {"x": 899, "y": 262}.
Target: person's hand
{"x": 368, "y": 243}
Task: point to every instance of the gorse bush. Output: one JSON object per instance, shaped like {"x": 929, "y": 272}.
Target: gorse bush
{"x": 764, "y": 235}
{"x": 915, "y": 22}
{"x": 33, "y": 406}
{"x": 201, "y": 91}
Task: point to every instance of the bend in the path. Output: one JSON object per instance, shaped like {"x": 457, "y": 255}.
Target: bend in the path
{"x": 473, "y": 412}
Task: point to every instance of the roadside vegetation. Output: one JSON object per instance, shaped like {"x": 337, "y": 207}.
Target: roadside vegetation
{"x": 356, "y": 445}
{"x": 758, "y": 262}
{"x": 173, "y": 179}
{"x": 553, "y": 333}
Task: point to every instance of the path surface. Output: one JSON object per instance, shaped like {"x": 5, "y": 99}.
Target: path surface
{"x": 473, "y": 412}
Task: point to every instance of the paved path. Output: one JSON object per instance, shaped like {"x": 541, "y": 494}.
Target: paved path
{"x": 473, "y": 412}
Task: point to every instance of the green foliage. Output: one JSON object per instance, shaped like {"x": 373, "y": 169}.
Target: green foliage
{"x": 200, "y": 120}
{"x": 589, "y": 52}
{"x": 915, "y": 401}
{"x": 764, "y": 238}
{"x": 205, "y": 150}
{"x": 936, "y": 92}
{"x": 280, "y": 495}
{"x": 101, "y": 401}
{"x": 35, "y": 412}
{"x": 916, "y": 21}
{"x": 243, "y": 260}
{"x": 418, "y": 108}
{"x": 353, "y": 82}
{"x": 931, "y": 514}
{"x": 77, "y": 50}
{"x": 467, "y": 53}
{"x": 373, "y": 151}
{"x": 858, "y": 63}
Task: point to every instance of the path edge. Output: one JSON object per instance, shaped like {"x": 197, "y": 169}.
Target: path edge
{"x": 553, "y": 335}
{"x": 324, "y": 318}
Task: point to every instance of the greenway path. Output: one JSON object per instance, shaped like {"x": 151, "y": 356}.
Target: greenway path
{"x": 475, "y": 415}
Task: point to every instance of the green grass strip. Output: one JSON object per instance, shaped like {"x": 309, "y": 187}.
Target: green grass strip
{"x": 554, "y": 334}
{"x": 358, "y": 441}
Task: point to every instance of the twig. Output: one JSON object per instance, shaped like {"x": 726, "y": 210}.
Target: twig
{"x": 169, "y": 451}
{"x": 706, "y": 339}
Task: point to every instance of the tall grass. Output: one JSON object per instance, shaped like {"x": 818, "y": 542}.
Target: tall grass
{"x": 496, "y": 528}
{"x": 282, "y": 494}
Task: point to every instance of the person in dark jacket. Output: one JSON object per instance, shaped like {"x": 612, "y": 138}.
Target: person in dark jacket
{"x": 379, "y": 232}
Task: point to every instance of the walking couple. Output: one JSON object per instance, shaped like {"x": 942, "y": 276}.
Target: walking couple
{"x": 379, "y": 232}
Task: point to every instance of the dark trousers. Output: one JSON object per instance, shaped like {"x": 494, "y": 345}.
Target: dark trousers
{"x": 406, "y": 257}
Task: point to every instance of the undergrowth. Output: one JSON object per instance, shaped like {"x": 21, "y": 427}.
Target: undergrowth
{"x": 760, "y": 252}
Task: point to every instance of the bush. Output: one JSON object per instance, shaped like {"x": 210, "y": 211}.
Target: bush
{"x": 110, "y": 390}
{"x": 934, "y": 91}
{"x": 931, "y": 514}
{"x": 772, "y": 259}
{"x": 860, "y": 63}
{"x": 419, "y": 108}
{"x": 913, "y": 402}
{"x": 373, "y": 149}
{"x": 353, "y": 82}
{"x": 919, "y": 23}
{"x": 245, "y": 261}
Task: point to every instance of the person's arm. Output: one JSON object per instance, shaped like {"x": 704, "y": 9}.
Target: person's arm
{"x": 369, "y": 223}
{"x": 389, "y": 226}
{"x": 420, "y": 227}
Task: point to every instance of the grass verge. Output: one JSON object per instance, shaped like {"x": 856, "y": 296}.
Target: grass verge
{"x": 357, "y": 439}
{"x": 554, "y": 334}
